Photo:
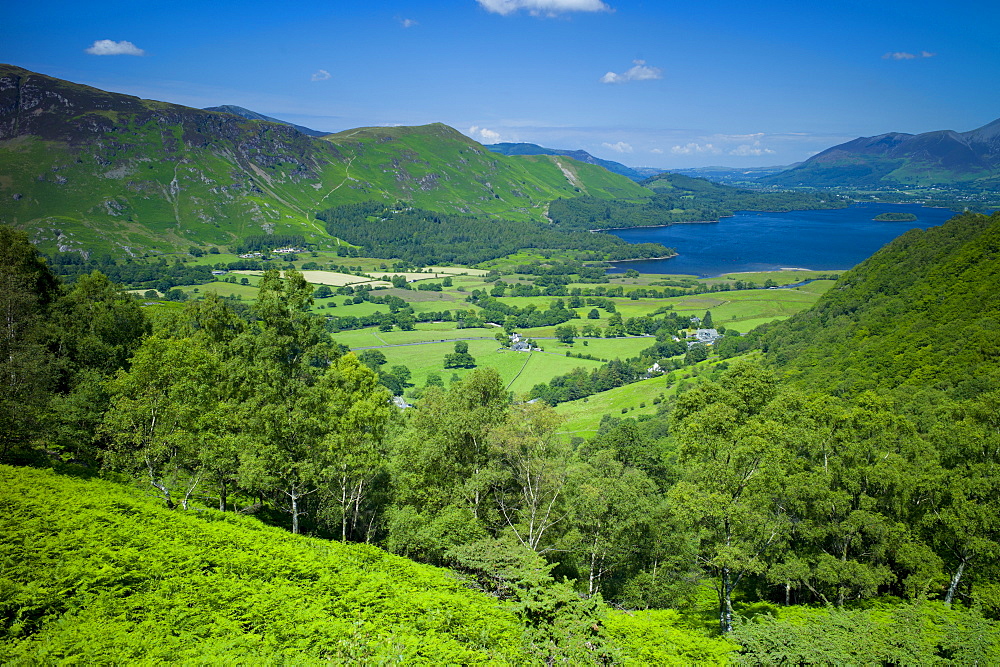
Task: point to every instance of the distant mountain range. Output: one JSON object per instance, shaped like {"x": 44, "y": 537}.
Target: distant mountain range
{"x": 943, "y": 157}
{"x": 635, "y": 173}
{"x": 253, "y": 115}
{"x": 734, "y": 175}
{"x": 86, "y": 170}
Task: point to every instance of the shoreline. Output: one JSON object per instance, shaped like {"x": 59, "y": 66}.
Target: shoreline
{"x": 669, "y": 224}
{"x": 642, "y": 259}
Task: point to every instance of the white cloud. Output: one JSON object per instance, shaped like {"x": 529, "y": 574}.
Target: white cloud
{"x": 657, "y": 151}
{"x": 407, "y": 23}
{"x": 320, "y": 75}
{"x": 619, "y": 147}
{"x": 903, "y": 55}
{"x": 732, "y": 138}
{"x": 107, "y": 47}
{"x": 745, "y": 150}
{"x": 484, "y": 135}
{"x": 695, "y": 149}
{"x": 542, "y": 7}
{"x": 639, "y": 71}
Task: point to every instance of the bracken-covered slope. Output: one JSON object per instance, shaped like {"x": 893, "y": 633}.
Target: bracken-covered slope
{"x": 84, "y": 169}
{"x": 944, "y": 157}
{"x": 95, "y": 574}
{"x": 923, "y": 312}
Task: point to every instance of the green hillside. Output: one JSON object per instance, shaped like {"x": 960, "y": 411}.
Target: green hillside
{"x": 86, "y": 170}
{"x": 843, "y": 514}
{"x": 437, "y": 167}
{"x": 923, "y": 314}
{"x": 95, "y": 573}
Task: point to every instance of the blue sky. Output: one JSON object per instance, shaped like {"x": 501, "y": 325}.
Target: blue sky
{"x": 657, "y": 83}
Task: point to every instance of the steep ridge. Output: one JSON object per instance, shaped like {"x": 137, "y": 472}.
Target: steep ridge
{"x": 87, "y": 170}
{"x": 253, "y": 115}
{"x": 508, "y": 148}
{"x": 932, "y": 158}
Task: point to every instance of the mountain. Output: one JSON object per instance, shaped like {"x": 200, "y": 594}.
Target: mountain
{"x": 253, "y": 115}
{"x": 734, "y": 175}
{"x": 86, "y": 170}
{"x": 944, "y": 157}
{"x": 636, "y": 174}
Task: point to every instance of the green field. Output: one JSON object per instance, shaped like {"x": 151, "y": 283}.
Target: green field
{"x": 244, "y": 292}
{"x": 423, "y": 332}
{"x": 604, "y": 348}
{"x": 423, "y": 349}
{"x": 583, "y": 416}
{"x": 520, "y": 370}
{"x": 744, "y": 309}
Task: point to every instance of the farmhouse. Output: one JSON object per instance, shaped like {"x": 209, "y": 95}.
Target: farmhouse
{"x": 517, "y": 344}
{"x": 706, "y": 336}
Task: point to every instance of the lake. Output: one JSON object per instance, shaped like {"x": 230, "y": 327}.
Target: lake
{"x": 831, "y": 240}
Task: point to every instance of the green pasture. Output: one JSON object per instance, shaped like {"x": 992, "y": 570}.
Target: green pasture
{"x": 244, "y": 292}
{"x": 743, "y": 310}
{"x": 370, "y": 337}
{"x": 781, "y": 277}
{"x": 354, "y": 309}
{"x": 423, "y": 333}
{"x": 520, "y": 370}
{"x": 604, "y": 348}
{"x": 542, "y": 367}
{"x": 583, "y": 416}
{"x": 440, "y": 301}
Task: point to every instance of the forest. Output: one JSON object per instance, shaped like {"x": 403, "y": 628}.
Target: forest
{"x": 826, "y": 496}
{"x": 426, "y": 237}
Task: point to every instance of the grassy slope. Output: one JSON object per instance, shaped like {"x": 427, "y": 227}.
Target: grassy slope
{"x": 95, "y": 573}
{"x": 115, "y": 173}
{"x": 583, "y": 416}
{"x": 438, "y": 168}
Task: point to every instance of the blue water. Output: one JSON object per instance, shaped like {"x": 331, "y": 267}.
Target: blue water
{"x": 832, "y": 240}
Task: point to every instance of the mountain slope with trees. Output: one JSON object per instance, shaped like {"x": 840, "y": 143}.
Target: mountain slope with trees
{"x": 922, "y": 313}
{"x": 754, "y": 502}
{"x": 679, "y": 198}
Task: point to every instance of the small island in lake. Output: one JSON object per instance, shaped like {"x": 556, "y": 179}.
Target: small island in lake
{"x": 895, "y": 217}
